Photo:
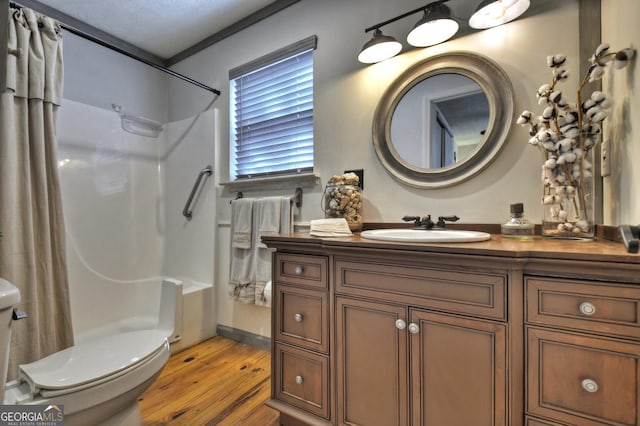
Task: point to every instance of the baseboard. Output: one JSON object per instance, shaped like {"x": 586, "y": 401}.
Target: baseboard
{"x": 242, "y": 336}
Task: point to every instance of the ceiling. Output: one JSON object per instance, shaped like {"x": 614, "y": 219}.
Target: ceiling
{"x": 164, "y": 28}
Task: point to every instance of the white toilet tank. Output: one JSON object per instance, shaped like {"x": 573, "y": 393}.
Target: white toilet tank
{"x": 9, "y": 297}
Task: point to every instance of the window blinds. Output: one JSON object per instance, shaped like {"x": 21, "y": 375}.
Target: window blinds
{"x": 272, "y": 114}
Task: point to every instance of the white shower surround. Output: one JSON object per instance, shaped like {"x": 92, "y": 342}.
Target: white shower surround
{"x": 123, "y": 196}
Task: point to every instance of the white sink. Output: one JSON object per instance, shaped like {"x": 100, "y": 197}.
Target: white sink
{"x": 425, "y": 236}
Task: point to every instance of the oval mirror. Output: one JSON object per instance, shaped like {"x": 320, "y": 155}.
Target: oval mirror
{"x": 443, "y": 120}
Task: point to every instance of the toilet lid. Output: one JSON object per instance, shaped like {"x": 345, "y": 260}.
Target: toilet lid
{"x": 93, "y": 359}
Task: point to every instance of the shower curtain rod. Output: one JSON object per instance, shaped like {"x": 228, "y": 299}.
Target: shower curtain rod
{"x": 55, "y": 14}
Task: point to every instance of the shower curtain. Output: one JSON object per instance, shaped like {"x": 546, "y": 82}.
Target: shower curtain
{"x": 32, "y": 246}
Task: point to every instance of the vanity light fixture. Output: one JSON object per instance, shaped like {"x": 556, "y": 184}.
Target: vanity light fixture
{"x": 438, "y": 25}
{"x": 379, "y": 48}
{"x": 491, "y": 13}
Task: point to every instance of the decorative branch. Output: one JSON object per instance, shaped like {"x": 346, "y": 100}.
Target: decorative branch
{"x": 565, "y": 133}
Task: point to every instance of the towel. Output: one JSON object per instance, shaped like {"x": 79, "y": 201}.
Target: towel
{"x": 241, "y": 222}
{"x": 250, "y": 269}
{"x": 330, "y": 228}
{"x": 241, "y": 268}
{"x": 268, "y": 218}
{"x": 272, "y": 217}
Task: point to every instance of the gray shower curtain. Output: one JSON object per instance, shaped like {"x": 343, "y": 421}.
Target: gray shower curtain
{"x": 32, "y": 246}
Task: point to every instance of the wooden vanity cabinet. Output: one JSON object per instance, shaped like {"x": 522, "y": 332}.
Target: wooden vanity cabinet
{"x": 300, "y": 326}
{"x": 583, "y": 346}
{"x": 495, "y": 333}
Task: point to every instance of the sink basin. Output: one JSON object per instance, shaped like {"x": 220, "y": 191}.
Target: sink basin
{"x": 425, "y": 236}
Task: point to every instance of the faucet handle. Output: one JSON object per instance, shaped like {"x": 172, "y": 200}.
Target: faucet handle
{"x": 443, "y": 219}
{"x": 414, "y": 219}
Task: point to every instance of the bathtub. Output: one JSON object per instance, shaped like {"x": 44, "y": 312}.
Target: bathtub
{"x": 148, "y": 304}
{"x": 195, "y": 315}
{"x": 103, "y": 307}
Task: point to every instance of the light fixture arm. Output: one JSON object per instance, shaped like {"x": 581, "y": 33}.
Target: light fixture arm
{"x": 404, "y": 15}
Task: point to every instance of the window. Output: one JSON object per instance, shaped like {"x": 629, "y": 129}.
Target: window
{"x": 272, "y": 113}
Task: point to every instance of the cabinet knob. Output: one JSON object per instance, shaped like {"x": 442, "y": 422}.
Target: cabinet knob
{"x": 400, "y": 324}
{"x": 587, "y": 308}
{"x": 298, "y": 270}
{"x": 414, "y": 328}
{"x": 299, "y": 380}
{"x": 298, "y": 317}
{"x": 589, "y": 385}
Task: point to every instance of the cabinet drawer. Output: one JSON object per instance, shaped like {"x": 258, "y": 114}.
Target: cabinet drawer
{"x": 304, "y": 270}
{"x": 582, "y": 380}
{"x": 302, "y": 317}
{"x": 475, "y": 293}
{"x": 302, "y": 379}
{"x": 584, "y": 305}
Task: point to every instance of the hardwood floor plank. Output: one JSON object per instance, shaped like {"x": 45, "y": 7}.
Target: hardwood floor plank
{"x": 217, "y": 382}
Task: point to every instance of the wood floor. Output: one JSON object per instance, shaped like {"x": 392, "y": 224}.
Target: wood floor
{"x": 217, "y": 382}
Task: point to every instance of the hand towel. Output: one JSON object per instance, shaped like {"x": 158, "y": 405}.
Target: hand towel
{"x": 330, "y": 228}
{"x": 272, "y": 216}
{"x": 267, "y": 216}
{"x": 241, "y": 268}
{"x": 241, "y": 223}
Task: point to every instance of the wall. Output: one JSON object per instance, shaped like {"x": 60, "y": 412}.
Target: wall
{"x": 621, "y": 197}
{"x": 346, "y": 94}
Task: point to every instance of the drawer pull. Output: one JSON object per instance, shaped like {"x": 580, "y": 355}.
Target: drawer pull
{"x": 297, "y": 270}
{"x": 587, "y": 308}
{"x": 590, "y": 385}
{"x": 298, "y": 317}
{"x": 299, "y": 380}
{"x": 400, "y": 324}
{"x": 414, "y": 328}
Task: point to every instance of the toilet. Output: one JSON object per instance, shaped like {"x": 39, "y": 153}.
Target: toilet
{"x": 99, "y": 380}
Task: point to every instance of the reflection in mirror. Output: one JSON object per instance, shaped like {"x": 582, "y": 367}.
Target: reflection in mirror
{"x": 440, "y": 121}
{"x": 461, "y": 100}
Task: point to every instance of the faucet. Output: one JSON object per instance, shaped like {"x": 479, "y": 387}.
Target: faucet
{"x": 426, "y": 222}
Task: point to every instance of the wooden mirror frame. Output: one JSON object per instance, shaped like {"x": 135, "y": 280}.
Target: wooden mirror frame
{"x": 499, "y": 91}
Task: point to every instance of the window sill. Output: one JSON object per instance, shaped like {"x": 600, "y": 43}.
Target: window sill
{"x": 303, "y": 180}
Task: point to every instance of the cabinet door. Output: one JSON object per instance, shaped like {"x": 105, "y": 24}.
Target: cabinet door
{"x": 371, "y": 368}
{"x": 458, "y": 371}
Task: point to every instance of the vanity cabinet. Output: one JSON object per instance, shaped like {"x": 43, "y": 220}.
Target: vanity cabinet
{"x": 300, "y": 321}
{"x": 495, "y": 333}
{"x": 583, "y": 345}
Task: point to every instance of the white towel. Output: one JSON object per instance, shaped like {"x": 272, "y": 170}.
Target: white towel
{"x": 241, "y": 222}
{"x": 241, "y": 268}
{"x": 267, "y": 218}
{"x": 330, "y": 228}
{"x": 272, "y": 216}
{"x": 250, "y": 269}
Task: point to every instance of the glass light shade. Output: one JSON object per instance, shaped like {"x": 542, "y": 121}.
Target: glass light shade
{"x": 491, "y": 13}
{"x": 435, "y": 27}
{"x": 432, "y": 32}
{"x": 379, "y": 48}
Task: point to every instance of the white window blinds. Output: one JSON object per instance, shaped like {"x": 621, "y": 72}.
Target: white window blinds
{"x": 272, "y": 113}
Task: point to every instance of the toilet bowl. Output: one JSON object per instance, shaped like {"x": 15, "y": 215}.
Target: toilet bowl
{"x": 97, "y": 381}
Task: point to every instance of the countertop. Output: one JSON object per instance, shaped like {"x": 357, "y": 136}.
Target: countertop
{"x": 598, "y": 250}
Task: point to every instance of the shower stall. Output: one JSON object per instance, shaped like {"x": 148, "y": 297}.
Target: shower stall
{"x": 125, "y": 180}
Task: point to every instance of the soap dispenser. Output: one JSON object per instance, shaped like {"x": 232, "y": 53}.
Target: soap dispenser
{"x": 517, "y": 226}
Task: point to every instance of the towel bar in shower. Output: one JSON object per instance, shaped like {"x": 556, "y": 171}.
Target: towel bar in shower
{"x": 187, "y": 207}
